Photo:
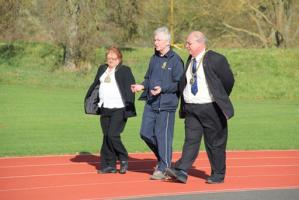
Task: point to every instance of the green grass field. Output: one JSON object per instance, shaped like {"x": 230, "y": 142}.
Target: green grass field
{"x": 37, "y": 120}
{"x": 42, "y": 112}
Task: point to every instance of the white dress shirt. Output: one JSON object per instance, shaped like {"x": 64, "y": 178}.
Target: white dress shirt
{"x": 203, "y": 95}
{"x": 109, "y": 93}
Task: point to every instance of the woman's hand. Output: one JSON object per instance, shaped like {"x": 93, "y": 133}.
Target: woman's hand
{"x": 137, "y": 88}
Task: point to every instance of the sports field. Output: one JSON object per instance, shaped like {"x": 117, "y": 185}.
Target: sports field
{"x": 49, "y": 147}
{"x": 42, "y": 106}
{"x": 38, "y": 120}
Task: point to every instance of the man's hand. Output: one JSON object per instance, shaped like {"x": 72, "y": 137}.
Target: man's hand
{"x": 156, "y": 90}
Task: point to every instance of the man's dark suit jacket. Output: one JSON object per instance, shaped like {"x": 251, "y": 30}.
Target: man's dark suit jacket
{"x": 220, "y": 81}
{"x": 124, "y": 79}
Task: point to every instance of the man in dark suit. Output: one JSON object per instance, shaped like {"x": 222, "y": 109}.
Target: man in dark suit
{"x": 205, "y": 87}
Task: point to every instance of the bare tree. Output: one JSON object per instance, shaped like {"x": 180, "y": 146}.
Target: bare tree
{"x": 122, "y": 19}
{"x": 12, "y": 14}
{"x": 80, "y": 26}
{"x": 70, "y": 45}
{"x": 8, "y": 16}
{"x": 74, "y": 26}
{"x": 274, "y": 20}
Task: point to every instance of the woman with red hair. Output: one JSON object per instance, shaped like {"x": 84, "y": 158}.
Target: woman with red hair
{"x": 110, "y": 97}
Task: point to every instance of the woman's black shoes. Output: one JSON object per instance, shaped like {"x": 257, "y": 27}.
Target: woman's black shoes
{"x": 123, "y": 168}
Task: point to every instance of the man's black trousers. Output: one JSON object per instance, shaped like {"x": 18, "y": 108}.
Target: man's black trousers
{"x": 205, "y": 120}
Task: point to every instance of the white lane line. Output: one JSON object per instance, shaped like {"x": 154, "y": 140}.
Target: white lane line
{"x": 144, "y": 161}
{"x": 46, "y": 165}
{"x": 142, "y": 170}
{"x": 126, "y": 182}
{"x": 73, "y": 185}
{"x": 47, "y": 175}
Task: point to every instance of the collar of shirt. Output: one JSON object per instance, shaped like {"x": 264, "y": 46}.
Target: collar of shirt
{"x": 168, "y": 54}
{"x": 199, "y": 56}
{"x": 112, "y": 71}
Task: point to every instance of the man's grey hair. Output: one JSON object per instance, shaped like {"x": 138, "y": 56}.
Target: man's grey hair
{"x": 165, "y": 31}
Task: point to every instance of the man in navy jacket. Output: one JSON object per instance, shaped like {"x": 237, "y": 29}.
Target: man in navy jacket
{"x": 161, "y": 95}
{"x": 205, "y": 87}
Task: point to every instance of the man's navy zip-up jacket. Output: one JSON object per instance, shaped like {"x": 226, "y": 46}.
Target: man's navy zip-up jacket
{"x": 166, "y": 72}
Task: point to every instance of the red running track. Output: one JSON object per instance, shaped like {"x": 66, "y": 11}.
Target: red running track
{"x": 74, "y": 176}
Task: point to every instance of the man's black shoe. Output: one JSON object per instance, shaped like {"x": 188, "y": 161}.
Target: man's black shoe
{"x": 178, "y": 175}
{"x": 107, "y": 170}
{"x": 123, "y": 167}
{"x": 214, "y": 180}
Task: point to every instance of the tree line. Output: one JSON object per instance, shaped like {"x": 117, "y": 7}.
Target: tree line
{"x": 81, "y": 26}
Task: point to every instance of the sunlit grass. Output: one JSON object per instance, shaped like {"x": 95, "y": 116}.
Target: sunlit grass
{"x": 42, "y": 112}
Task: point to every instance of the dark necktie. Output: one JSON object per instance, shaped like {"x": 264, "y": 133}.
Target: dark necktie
{"x": 194, "y": 88}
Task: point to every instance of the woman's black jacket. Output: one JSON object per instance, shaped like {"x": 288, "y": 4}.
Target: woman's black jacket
{"x": 124, "y": 79}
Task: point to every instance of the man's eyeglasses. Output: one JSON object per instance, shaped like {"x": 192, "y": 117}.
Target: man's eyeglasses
{"x": 190, "y": 43}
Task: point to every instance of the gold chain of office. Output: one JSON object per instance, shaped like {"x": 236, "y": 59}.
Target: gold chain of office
{"x": 193, "y": 75}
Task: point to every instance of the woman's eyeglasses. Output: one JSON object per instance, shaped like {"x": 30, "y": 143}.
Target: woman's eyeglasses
{"x": 110, "y": 58}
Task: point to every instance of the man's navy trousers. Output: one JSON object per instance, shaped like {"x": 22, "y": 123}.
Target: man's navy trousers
{"x": 157, "y": 131}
